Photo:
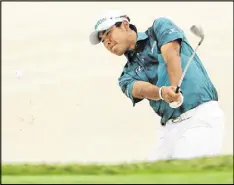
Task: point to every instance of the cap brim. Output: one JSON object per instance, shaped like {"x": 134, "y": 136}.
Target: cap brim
{"x": 94, "y": 39}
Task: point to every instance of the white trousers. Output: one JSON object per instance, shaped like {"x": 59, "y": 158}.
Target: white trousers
{"x": 199, "y": 136}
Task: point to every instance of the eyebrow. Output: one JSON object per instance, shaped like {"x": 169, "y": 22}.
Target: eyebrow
{"x": 102, "y": 33}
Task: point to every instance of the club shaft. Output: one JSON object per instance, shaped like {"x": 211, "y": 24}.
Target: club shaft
{"x": 186, "y": 68}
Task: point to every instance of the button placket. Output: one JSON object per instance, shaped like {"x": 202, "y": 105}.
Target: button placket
{"x": 141, "y": 63}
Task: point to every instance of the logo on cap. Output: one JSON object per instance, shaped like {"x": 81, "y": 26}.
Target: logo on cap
{"x": 99, "y": 22}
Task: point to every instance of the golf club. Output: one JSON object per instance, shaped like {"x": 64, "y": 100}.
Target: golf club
{"x": 198, "y": 32}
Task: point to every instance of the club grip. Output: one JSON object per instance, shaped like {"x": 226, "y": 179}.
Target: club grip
{"x": 177, "y": 89}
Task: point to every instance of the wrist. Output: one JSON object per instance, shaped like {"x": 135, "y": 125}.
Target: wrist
{"x": 160, "y": 92}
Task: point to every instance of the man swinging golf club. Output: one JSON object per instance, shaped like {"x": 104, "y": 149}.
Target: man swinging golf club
{"x": 163, "y": 68}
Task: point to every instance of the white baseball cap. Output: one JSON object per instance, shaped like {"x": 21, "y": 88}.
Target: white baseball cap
{"x": 105, "y": 22}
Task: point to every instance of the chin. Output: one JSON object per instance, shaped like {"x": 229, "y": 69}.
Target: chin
{"x": 119, "y": 53}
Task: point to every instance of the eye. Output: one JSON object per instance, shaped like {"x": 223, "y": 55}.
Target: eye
{"x": 103, "y": 40}
{"x": 107, "y": 33}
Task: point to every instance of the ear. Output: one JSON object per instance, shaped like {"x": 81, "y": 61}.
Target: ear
{"x": 125, "y": 25}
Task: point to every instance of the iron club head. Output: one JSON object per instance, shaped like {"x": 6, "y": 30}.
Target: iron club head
{"x": 198, "y": 32}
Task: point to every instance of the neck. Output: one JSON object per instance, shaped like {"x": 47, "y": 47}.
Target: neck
{"x": 132, "y": 39}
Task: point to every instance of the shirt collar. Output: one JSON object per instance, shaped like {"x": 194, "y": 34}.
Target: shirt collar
{"x": 140, "y": 36}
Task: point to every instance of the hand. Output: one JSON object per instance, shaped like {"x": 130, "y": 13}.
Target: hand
{"x": 169, "y": 95}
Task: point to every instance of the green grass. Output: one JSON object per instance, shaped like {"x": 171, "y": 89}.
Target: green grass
{"x": 166, "y": 178}
{"x": 205, "y": 164}
{"x": 218, "y": 170}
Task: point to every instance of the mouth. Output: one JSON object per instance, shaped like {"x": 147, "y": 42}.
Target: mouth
{"x": 112, "y": 47}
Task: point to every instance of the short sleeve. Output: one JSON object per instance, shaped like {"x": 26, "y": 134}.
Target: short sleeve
{"x": 166, "y": 31}
{"x": 126, "y": 83}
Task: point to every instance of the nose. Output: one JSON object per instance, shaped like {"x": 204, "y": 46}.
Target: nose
{"x": 108, "y": 42}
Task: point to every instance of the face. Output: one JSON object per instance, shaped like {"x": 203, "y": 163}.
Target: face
{"x": 116, "y": 39}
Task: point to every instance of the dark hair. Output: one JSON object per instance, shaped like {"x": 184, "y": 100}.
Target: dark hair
{"x": 118, "y": 24}
{"x": 133, "y": 27}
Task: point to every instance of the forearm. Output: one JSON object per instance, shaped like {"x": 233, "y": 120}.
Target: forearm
{"x": 143, "y": 89}
{"x": 171, "y": 55}
{"x": 174, "y": 68}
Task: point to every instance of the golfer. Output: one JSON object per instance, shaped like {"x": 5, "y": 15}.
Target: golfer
{"x": 155, "y": 62}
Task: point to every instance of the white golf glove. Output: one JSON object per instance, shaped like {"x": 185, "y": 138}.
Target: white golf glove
{"x": 177, "y": 104}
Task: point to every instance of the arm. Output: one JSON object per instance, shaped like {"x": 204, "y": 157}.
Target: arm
{"x": 171, "y": 55}
{"x": 170, "y": 36}
{"x": 138, "y": 90}
{"x": 143, "y": 89}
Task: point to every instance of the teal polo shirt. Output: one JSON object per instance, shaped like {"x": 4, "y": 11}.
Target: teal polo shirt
{"x": 146, "y": 63}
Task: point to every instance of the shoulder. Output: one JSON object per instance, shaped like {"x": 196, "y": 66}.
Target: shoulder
{"x": 162, "y": 21}
{"x": 160, "y": 24}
